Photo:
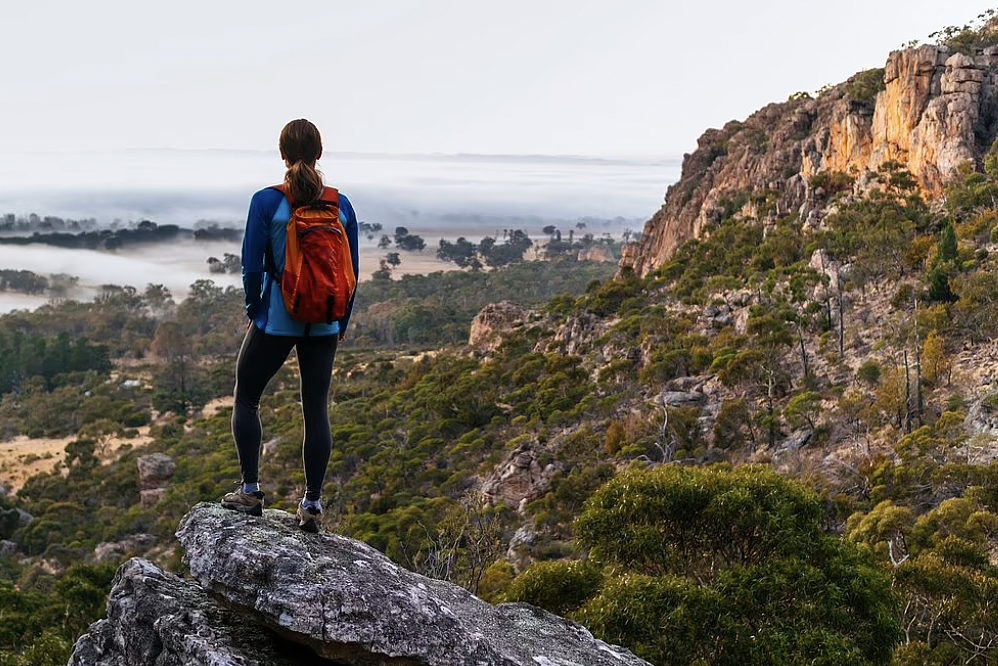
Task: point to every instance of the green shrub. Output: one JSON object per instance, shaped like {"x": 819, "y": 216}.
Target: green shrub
{"x": 869, "y": 373}
{"x": 558, "y": 587}
{"x": 865, "y": 86}
{"x": 731, "y": 567}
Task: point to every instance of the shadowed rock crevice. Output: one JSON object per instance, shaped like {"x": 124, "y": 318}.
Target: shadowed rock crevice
{"x": 328, "y": 599}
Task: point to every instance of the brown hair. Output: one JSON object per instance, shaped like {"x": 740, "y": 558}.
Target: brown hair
{"x": 301, "y": 146}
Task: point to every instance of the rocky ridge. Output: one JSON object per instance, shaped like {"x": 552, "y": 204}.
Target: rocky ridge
{"x": 264, "y": 592}
{"x": 935, "y": 110}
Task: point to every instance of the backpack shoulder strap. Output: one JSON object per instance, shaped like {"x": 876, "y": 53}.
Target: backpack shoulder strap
{"x": 330, "y": 195}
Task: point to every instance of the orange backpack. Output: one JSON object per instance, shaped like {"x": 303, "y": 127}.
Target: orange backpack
{"x": 318, "y": 281}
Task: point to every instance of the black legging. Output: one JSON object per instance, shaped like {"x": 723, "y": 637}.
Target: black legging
{"x": 260, "y": 357}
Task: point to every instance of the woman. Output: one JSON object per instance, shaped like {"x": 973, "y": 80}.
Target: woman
{"x": 272, "y": 332}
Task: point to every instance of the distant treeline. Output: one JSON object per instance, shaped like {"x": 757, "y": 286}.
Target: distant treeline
{"x": 32, "y": 222}
{"x": 23, "y": 356}
{"x": 27, "y": 282}
{"x": 112, "y": 239}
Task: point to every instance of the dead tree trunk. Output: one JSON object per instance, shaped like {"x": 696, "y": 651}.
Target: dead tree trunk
{"x": 803, "y": 351}
{"x": 907, "y": 394}
{"x": 918, "y": 371}
{"x": 842, "y": 324}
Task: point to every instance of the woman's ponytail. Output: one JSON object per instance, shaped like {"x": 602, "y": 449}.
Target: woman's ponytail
{"x": 304, "y": 183}
{"x": 301, "y": 146}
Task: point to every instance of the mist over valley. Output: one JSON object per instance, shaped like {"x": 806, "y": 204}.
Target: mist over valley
{"x": 434, "y": 196}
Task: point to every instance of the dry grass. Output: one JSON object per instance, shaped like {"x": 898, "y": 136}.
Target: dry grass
{"x": 23, "y": 457}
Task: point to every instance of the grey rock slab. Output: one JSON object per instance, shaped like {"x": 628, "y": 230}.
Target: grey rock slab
{"x": 157, "y": 619}
{"x": 155, "y": 470}
{"x": 681, "y": 398}
{"x": 350, "y": 603}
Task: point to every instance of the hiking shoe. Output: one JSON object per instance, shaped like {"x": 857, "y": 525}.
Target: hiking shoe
{"x": 249, "y": 503}
{"x": 309, "y": 519}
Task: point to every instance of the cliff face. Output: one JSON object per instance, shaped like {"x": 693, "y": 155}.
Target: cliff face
{"x": 934, "y": 111}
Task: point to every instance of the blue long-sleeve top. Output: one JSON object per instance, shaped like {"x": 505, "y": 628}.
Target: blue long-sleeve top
{"x": 266, "y": 224}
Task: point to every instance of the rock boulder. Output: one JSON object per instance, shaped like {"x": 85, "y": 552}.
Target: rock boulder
{"x": 12, "y": 520}
{"x": 155, "y": 470}
{"x": 352, "y": 605}
{"x": 157, "y": 619}
{"x": 114, "y": 551}
{"x": 495, "y": 319}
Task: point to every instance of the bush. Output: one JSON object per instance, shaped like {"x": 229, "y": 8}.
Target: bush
{"x": 869, "y": 373}
{"x": 865, "y": 86}
{"x": 698, "y": 521}
{"x": 558, "y": 587}
{"x": 731, "y": 567}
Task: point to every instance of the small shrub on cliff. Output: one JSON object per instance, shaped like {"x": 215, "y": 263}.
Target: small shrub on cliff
{"x": 869, "y": 373}
{"x": 831, "y": 182}
{"x": 865, "y": 86}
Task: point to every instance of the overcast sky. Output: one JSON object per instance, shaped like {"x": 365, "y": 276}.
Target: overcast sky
{"x": 581, "y": 77}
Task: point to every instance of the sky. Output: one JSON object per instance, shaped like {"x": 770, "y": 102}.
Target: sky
{"x": 622, "y": 78}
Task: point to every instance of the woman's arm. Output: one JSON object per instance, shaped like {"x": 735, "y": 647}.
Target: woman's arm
{"x": 352, "y": 229}
{"x": 255, "y": 241}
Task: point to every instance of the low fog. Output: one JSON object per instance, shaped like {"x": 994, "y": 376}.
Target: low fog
{"x": 433, "y": 196}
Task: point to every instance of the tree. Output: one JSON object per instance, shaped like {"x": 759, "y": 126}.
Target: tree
{"x": 158, "y": 298}
{"x": 948, "y": 250}
{"x": 511, "y": 250}
{"x": 771, "y": 334}
{"x": 733, "y": 426}
{"x": 384, "y": 242}
{"x": 803, "y": 409}
{"x": 944, "y": 266}
{"x": 937, "y": 363}
{"x": 409, "y": 242}
{"x": 393, "y": 260}
{"x": 384, "y": 271}
{"x": 178, "y": 385}
{"x": 462, "y": 252}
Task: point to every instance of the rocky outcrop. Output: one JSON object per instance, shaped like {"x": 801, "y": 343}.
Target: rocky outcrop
{"x": 935, "y": 110}
{"x": 156, "y": 618}
{"x": 519, "y": 479}
{"x": 155, "y": 472}
{"x": 265, "y": 592}
{"x": 495, "y": 319}
{"x": 681, "y": 399}
{"x": 115, "y": 551}
{"x": 597, "y": 253}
